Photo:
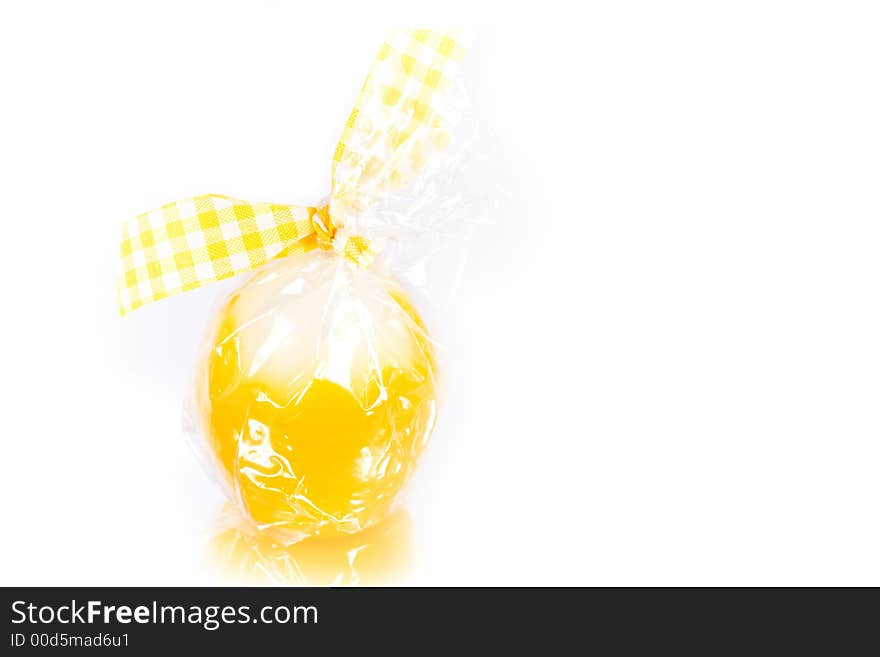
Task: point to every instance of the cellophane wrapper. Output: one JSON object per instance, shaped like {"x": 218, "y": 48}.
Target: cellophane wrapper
{"x": 318, "y": 385}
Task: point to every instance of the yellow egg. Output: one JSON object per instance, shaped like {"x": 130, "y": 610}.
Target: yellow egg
{"x": 317, "y": 395}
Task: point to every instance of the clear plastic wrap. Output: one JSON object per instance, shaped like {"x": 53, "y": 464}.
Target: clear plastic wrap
{"x": 317, "y": 388}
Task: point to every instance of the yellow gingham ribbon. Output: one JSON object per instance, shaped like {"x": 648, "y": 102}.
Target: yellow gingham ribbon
{"x": 395, "y": 125}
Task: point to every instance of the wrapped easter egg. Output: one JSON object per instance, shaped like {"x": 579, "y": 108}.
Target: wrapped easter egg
{"x": 315, "y": 392}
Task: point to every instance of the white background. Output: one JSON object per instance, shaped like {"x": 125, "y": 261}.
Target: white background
{"x": 667, "y": 358}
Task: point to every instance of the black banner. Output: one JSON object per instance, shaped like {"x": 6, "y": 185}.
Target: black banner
{"x": 398, "y": 620}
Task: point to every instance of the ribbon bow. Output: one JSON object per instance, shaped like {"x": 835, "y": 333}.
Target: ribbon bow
{"x": 396, "y": 123}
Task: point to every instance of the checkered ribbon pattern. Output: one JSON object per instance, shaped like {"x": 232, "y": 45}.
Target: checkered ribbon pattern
{"x": 397, "y": 122}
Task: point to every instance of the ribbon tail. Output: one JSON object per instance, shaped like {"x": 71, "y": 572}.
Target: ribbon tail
{"x": 404, "y": 114}
{"x": 199, "y": 240}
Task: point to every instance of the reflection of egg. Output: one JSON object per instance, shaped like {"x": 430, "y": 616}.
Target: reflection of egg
{"x": 317, "y": 395}
{"x": 381, "y": 554}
